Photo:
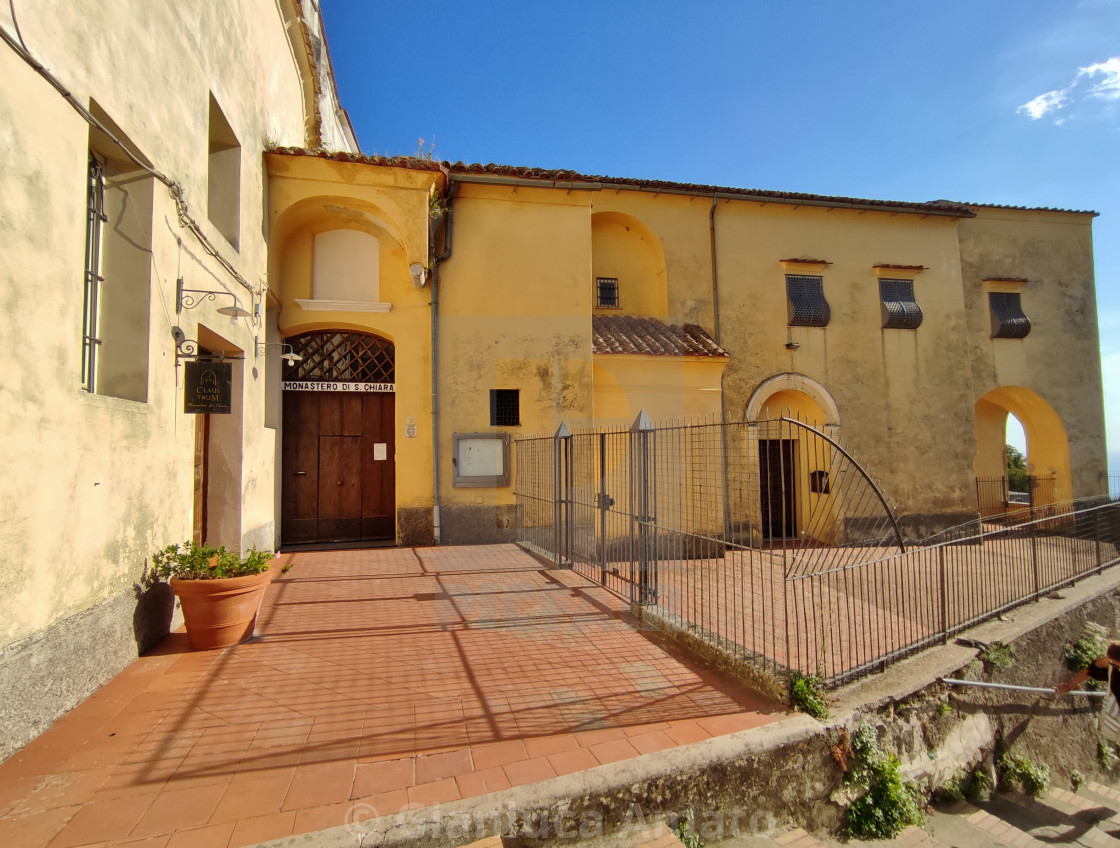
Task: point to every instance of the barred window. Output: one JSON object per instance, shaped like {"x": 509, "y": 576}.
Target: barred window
{"x": 606, "y": 292}
{"x": 900, "y": 309}
{"x": 505, "y": 408}
{"x": 805, "y": 300}
{"x": 95, "y": 221}
{"x": 1008, "y": 320}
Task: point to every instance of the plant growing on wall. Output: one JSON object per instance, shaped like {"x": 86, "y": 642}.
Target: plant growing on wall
{"x": 1092, "y": 643}
{"x": 888, "y": 805}
{"x": 806, "y": 693}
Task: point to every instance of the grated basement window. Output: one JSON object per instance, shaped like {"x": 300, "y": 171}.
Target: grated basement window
{"x": 505, "y": 408}
{"x": 900, "y": 309}
{"x": 805, "y": 300}
{"x": 607, "y": 292}
{"x": 1008, "y": 320}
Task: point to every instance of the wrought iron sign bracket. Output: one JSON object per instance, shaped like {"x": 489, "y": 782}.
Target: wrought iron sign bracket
{"x": 188, "y": 349}
{"x": 190, "y": 298}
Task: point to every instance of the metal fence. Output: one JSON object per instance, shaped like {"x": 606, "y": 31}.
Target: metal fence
{"x": 1000, "y": 497}
{"x": 768, "y": 542}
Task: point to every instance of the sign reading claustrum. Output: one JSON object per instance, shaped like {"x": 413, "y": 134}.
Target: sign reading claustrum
{"x": 301, "y": 386}
{"x": 207, "y": 387}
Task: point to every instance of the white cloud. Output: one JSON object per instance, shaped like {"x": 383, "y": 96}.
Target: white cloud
{"x": 1107, "y": 88}
{"x": 1044, "y": 103}
{"x": 1104, "y": 84}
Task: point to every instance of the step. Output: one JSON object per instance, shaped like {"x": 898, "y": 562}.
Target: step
{"x": 1067, "y": 817}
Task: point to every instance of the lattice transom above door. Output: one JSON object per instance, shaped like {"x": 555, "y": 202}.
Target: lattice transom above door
{"x": 343, "y": 358}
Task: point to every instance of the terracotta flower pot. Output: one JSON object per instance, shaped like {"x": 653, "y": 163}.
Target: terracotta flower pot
{"x": 220, "y": 613}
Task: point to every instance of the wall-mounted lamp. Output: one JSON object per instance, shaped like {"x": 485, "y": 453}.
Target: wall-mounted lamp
{"x": 190, "y": 298}
{"x": 793, "y": 345}
{"x": 419, "y": 274}
{"x": 289, "y": 355}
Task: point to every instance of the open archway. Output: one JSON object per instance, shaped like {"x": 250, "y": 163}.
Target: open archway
{"x": 793, "y": 475}
{"x": 1047, "y": 453}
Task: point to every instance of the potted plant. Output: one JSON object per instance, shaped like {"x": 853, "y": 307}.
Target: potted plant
{"x": 220, "y": 591}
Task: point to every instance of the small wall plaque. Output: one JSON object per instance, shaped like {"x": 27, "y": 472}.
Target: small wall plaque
{"x": 207, "y": 387}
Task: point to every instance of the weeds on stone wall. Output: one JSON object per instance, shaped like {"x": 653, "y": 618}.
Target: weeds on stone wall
{"x": 1017, "y": 771}
{"x": 888, "y": 805}
{"x": 998, "y": 655}
{"x": 1092, "y": 643}
{"x": 1076, "y": 780}
{"x": 974, "y": 786}
{"x": 806, "y": 693}
{"x": 1106, "y": 754}
{"x": 685, "y": 830}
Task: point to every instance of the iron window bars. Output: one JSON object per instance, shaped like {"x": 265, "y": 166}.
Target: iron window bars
{"x": 343, "y": 358}
{"x": 606, "y": 292}
{"x": 805, "y": 299}
{"x": 95, "y": 221}
{"x": 900, "y": 309}
{"x": 505, "y": 408}
{"x": 1008, "y": 319}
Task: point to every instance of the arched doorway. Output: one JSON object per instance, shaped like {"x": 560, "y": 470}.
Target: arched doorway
{"x": 793, "y": 477}
{"x": 1047, "y": 454}
{"x": 338, "y": 463}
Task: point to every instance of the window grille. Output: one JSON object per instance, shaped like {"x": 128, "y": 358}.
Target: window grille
{"x": 505, "y": 408}
{"x": 807, "y": 306}
{"x": 343, "y": 358}
{"x": 1008, "y": 320}
{"x": 607, "y": 291}
{"x": 900, "y": 309}
{"x": 95, "y": 221}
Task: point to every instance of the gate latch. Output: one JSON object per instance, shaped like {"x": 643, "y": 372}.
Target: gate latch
{"x": 604, "y": 501}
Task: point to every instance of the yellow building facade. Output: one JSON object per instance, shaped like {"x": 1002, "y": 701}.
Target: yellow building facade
{"x": 132, "y": 203}
{"x": 551, "y": 297}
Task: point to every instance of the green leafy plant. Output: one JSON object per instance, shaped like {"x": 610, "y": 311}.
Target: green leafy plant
{"x": 203, "y": 562}
{"x": 1092, "y": 643}
{"x": 944, "y": 708}
{"x": 888, "y": 806}
{"x": 686, "y": 832}
{"x": 806, "y": 693}
{"x": 1106, "y": 754}
{"x": 1076, "y": 780}
{"x": 999, "y": 655}
{"x": 1017, "y": 771}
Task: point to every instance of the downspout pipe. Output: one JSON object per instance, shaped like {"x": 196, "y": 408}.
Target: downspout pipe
{"x": 715, "y": 269}
{"x": 436, "y": 262}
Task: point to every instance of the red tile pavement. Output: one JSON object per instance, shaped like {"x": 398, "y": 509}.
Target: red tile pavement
{"x": 379, "y": 679}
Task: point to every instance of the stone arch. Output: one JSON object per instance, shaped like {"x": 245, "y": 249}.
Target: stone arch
{"x": 623, "y": 247}
{"x": 791, "y": 382}
{"x": 1047, "y": 441}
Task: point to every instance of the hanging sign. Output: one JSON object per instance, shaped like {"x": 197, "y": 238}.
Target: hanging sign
{"x": 207, "y": 387}
{"x": 300, "y": 386}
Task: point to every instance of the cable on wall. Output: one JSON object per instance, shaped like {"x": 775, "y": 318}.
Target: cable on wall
{"x": 181, "y": 208}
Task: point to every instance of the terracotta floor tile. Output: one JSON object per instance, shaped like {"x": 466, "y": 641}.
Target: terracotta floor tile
{"x": 687, "y": 732}
{"x": 35, "y": 828}
{"x": 720, "y": 725}
{"x": 576, "y": 759}
{"x": 320, "y": 818}
{"x": 383, "y": 776}
{"x": 179, "y": 809}
{"x": 145, "y": 842}
{"x": 211, "y": 836}
{"x": 587, "y": 738}
{"x": 103, "y": 821}
{"x": 482, "y": 782}
{"x": 250, "y": 831}
{"x": 494, "y": 754}
{"x": 647, "y": 743}
{"x": 436, "y": 792}
{"x": 542, "y": 746}
{"x": 613, "y": 750}
{"x": 380, "y": 804}
{"x": 253, "y": 794}
{"x": 529, "y": 771}
{"x": 319, "y": 785}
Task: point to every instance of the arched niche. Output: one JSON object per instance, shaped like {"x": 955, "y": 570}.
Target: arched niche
{"x": 1047, "y": 441}
{"x": 626, "y": 250}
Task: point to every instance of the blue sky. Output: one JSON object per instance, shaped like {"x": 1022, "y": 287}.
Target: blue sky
{"x": 991, "y": 101}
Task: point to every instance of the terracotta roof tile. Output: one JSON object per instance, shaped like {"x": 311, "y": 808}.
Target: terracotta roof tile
{"x": 627, "y": 334}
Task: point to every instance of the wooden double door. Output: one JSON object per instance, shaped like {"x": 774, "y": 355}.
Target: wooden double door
{"x": 338, "y": 467}
{"x": 777, "y": 470}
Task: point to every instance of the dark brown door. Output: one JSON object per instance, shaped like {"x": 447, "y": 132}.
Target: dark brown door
{"x": 776, "y": 469}
{"x": 339, "y": 477}
{"x": 201, "y": 476}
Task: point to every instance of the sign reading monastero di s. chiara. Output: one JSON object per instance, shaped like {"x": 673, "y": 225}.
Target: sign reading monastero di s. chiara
{"x": 301, "y": 386}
